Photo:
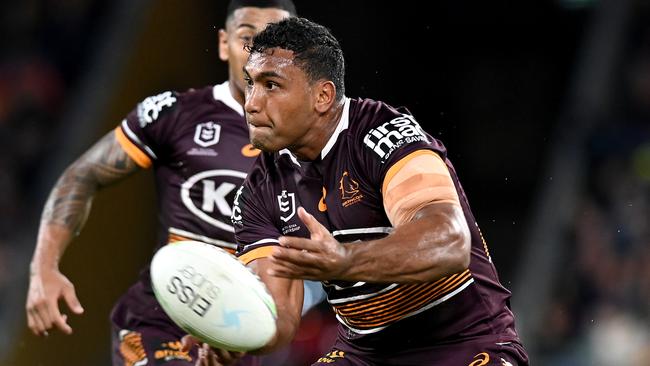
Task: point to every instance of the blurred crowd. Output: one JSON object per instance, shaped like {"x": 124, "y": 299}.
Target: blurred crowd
{"x": 599, "y": 313}
{"x": 44, "y": 49}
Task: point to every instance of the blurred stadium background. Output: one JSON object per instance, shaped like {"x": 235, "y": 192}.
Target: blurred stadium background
{"x": 544, "y": 106}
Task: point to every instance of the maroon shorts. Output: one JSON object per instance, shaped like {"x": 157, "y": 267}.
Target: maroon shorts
{"x": 470, "y": 353}
{"x": 149, "y": 345}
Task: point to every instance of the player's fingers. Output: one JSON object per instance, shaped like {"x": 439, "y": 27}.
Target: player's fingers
{"x": 296, "y": 257}
{"x": 210, "y": 356}
{"x": 43, "y": 313}
{"x": 314, "y": 227}
{"x": 290, "y": 270}
{"x": 300, "y": 243}
{"x": 39, "y": 326}
{"x": 58, "y": 320}
{"x": 33, "y": 324}
{"x": 227, "y": 357}
{"x": 61, "y": 322}
{"x": 187, "y": 342}
{"x": 71, "y": 299}
{"x": 202, "y": 358}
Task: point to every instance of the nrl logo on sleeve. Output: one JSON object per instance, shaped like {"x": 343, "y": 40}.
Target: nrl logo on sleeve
{"x": 384, "y": 139}
{"x": 207, "y": 134}
{"x": 150, "y": 108}
{"x": 287, "y": 203}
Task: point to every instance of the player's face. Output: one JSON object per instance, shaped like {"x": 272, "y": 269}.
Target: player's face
{"x": 279, "y": 101}
{"x": 241, "y": 27}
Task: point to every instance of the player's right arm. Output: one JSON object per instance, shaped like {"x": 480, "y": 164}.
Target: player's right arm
{"x": 63, "y": 217}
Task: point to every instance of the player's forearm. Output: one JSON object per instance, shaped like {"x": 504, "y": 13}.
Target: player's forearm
{"x": 286, "y": 330}
{"x": 63, "y": 217}
{"x": 287, "y": 295}
{"x": 52, "y": 241}
{"x": 436, "y": 243}
{"x": 69, "y": 202}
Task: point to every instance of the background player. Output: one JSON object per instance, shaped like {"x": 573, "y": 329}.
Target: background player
{"x": 197, "y": 144}
{"x": 416, "y": 284}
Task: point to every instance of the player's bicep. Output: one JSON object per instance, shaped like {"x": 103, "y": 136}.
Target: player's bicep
{"x": 107, "y": 161}
{"x": 414, "y": 182}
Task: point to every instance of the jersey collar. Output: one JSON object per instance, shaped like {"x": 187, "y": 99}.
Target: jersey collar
{"x": 221, "y": 92}
{"x": 342, "y": 126}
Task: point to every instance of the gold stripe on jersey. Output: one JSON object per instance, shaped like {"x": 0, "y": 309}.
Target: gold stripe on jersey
{"x": 131, "y": 149}
{"x": 485, "y": 246}
{"x": 390, "y": 174}
{"x": 417, "y": 180}
{"x": 257, "y": 253}
{"x": 400, "y": 302}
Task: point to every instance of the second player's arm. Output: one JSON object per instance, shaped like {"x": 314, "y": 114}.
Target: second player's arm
{"x": 63, "y": 217}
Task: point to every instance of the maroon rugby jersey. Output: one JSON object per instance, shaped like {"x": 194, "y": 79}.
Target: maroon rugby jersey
{"x": 341, "y": 188}
{"x": 198, "y": 145}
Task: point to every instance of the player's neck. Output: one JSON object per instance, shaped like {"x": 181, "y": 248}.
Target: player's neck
{"x": 317, "y": 137}
{"x": 236, "y": 93}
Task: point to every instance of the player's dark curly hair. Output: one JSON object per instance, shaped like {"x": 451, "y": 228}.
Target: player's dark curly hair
{"x": 315, "y": 49}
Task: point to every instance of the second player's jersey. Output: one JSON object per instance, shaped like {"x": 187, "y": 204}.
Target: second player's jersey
{"x": 198, "y": 146}
{"x": 197, "y": 143}
{"x": 342, "y": 189}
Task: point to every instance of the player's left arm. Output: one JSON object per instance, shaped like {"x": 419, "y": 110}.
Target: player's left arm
{"x": 288, "y": 296}
{"x": 430, "y": 240}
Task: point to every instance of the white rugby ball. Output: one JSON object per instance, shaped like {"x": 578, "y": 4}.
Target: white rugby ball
{"x": 211, "y": 295}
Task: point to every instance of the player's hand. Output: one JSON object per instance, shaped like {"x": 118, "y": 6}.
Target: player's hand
{"x": 208, "y": 356}
{"x": 45, "y": 290}
{"x": 319, "y": 258}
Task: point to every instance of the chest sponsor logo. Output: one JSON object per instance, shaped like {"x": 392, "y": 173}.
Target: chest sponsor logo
{"x": 287, "y": 203}
{"x": 150, "y": 108}
{"x": 385, "y": 139}
{"x": 207, "y": 134}
{"x": 349, "y": 189}
{"x": 208, "y": 195}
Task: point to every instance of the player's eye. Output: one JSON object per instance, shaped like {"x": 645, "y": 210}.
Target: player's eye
{"x": 246, "y": 39}
{"x": 271, "y": 85}
{"x": 248, "y": 81}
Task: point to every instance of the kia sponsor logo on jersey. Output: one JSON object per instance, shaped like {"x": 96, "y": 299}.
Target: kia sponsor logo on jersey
{"x": 150, "y": 108}
{"x": 208, "y": 196}
{"x": 385, "y": 139}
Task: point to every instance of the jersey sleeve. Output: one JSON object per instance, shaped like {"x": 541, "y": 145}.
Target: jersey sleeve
{"x": 146, "y": 129}
{"x": 255, "y": 233}
{"x": 393, "y": 135}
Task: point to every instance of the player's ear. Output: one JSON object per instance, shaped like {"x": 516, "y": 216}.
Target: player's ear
{"x": 325, "y": 95}
{"x": 223, "y": 45}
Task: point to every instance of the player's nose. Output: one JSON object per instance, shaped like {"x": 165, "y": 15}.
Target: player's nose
{"x": 253, "y": 103}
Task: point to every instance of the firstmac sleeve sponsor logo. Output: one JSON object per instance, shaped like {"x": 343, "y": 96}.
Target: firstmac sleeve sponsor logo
{"x": 384, "y": 139}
